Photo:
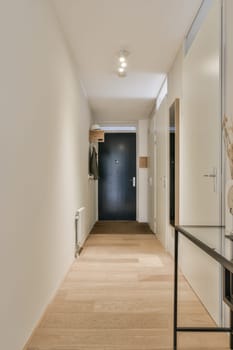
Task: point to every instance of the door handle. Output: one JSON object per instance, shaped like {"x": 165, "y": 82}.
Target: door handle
{"x": 213, "y": 175}
{"x": 133, "y": 181}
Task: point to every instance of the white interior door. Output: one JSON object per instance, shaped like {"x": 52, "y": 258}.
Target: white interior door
{"x": 201, "y": 127}
{"x": 200, "y": 167}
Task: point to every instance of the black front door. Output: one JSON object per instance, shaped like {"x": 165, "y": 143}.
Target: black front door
{"x": 117, "y": 177}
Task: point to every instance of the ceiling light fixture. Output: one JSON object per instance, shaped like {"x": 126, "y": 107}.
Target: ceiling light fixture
{"x": 122, "y": 63}
{"x": 121, "y": 72}
{"x": 122, "y": 59}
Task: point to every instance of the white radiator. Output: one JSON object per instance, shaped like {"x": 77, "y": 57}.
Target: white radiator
{"x": 80, "y": 229}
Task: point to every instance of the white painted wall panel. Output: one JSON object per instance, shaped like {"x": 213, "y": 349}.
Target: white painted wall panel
{"x": 161, "y": 127}
{"x": 44, "y": 119}
{"x": 151, "y": 175}
{"x": 142, "y": 173}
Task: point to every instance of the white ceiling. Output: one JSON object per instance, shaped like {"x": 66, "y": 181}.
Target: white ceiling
{"x": 152, "y": 30}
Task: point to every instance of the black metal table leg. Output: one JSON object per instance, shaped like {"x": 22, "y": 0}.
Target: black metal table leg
{"x": 231, "y": 335}
{"x": 227, "y": 286}
{"x": 175, "y": 290}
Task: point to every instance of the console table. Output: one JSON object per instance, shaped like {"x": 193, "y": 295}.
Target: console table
{"x": 209, "y": 239}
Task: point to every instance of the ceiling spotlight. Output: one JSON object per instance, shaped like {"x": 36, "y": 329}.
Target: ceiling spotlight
{"x": 123, "y": 64}
{"x": 121, "y": 70}
{"x": 122, "y": 59}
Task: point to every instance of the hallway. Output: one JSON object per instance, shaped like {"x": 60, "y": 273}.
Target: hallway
{"x": 118, "y": 296}
{"x": 155, "y": 78}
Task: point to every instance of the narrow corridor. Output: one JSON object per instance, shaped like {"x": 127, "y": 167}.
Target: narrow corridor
{"x": 118, "y": 296}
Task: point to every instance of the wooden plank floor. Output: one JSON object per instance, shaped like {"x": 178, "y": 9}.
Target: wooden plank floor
{"x": 118, "y": 296}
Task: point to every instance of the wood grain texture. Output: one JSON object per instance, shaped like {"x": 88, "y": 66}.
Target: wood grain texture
{"x": 96, "y": 136}
{"x": 118, "y": 296}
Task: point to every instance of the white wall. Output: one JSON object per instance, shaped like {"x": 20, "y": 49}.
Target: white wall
{"x": 162, "y": 153}
{"x": 142, "y": 173}
{"x": 175, "y": 78}
{"x": 159, "y": 126}
{"x": 151, "y": 175}
{"x": 44, "y": 164}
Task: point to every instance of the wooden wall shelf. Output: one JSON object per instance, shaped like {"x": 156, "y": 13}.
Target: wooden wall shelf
{"x": 96, "y": 136}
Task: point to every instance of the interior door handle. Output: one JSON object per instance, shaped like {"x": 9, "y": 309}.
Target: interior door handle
{"x": 213, "y": 175}
{"x": 209, "y": 175}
